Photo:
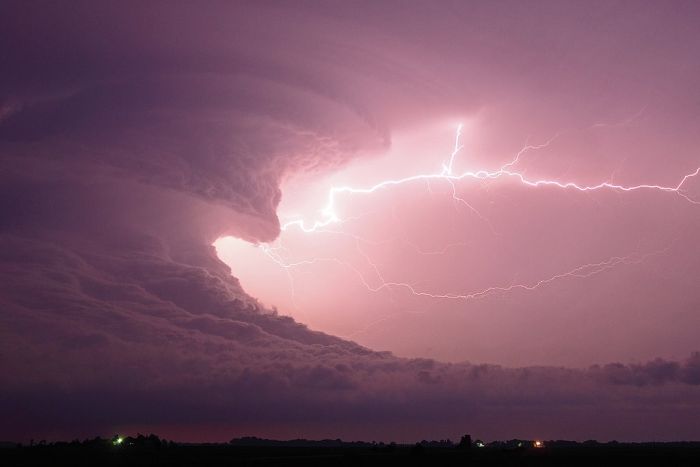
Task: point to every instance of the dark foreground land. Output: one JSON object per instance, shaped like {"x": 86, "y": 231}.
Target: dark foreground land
{"x": 336, "y": 453}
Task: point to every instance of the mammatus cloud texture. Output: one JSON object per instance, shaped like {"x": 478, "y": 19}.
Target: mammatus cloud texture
{"x": 132, "y": 136}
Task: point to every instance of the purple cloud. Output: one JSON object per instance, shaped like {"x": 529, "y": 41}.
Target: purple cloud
{"x": 133, "y": 138}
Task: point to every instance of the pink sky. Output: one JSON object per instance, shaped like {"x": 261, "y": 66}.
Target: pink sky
{"x": 496, "y": 233}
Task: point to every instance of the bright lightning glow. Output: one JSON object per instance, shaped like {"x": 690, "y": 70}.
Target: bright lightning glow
{"x": 378, "y": 283}
{"x": 330, "y": 215}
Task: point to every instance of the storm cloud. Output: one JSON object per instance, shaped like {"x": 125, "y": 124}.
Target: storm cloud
{"x": 133, "y": 135}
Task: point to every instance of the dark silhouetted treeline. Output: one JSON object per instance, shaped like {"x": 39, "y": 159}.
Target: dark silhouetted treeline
{"x": 142, "y": 450}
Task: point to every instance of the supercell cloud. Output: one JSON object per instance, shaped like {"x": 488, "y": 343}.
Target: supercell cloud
{"x": 133, "y": 136}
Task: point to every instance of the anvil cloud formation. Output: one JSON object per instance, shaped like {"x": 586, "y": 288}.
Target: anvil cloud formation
{"x": 134, "y": 135}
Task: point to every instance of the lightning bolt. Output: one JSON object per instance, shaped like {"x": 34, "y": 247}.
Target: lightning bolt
{"x": 584, "y": 271}
{"x": 330, "y": 216}
{"x": 581, "y": 272}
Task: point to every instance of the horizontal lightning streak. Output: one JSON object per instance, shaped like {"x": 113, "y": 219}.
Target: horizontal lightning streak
{"x": 583, "y": 271}
{"x": 330, "y": 216}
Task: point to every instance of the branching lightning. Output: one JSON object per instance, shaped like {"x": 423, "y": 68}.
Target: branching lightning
{"x": 330, "y": 216}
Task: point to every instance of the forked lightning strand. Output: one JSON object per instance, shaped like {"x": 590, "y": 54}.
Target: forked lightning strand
{"x": 330, "y": 216}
